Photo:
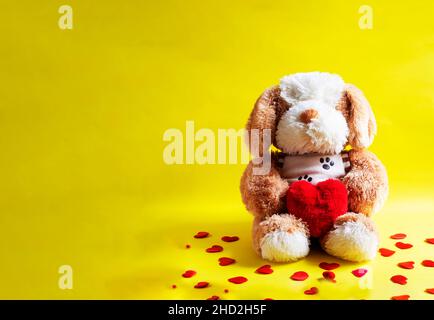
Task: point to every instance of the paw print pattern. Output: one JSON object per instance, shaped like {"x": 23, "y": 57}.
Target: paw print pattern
{"x": 327, "y": 164}
{"x": 305, "y": 177}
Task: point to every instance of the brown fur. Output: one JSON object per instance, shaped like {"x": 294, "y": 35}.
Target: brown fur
{"x": 263, "y": 195}
{"x": 367, "y": 182}
{"x": 360, "y": 118}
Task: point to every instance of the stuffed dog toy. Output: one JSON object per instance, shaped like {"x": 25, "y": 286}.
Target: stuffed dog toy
{"x": 322, "y": 182}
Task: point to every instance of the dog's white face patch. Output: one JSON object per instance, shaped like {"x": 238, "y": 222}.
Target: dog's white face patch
{"x": 327, "y": 133}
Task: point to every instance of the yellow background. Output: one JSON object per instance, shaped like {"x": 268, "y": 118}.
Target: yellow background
{"x": 83, "y": 112}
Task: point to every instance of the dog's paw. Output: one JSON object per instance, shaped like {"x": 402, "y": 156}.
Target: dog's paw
{"x": 283, "y": 246}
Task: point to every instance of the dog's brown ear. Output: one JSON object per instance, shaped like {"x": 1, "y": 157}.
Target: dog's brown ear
{"x": 361, "y": 119}
{"x": 263, "y": 117}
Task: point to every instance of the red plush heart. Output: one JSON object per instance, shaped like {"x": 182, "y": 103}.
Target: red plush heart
{"x": 230, "y": 239}
{"x": 201, "y": 234}
{"x": 399, "y": 279}
{"x": 299, "y": 276}
{"x": 237, "y": 280}
{"x": 430, "y": 240}
{"x": 403, "y": 297}
{"x": 428, "y": 263}
{"x": 313, "y": 290}
{"x": 214, "y": 248}
{"x": 329, "y": 266}
{"x": 201, "y": 285}
{"x": 406, "y": 265}
{"x": 386, "y": 252}
{"x": 266, "y": 269}
{"x": 189, "y": 273}
{"x": 224, "y": 261}
{"x": 319, "y": 205}
{"x": 402, "y": 245}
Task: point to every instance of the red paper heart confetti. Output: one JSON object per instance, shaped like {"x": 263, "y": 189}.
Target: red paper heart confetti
{"x": 265, "y": 269}
{"x": 430, "y": 290}
{"x": 402, "y": 245}
{"x": 313, "y": 290}
{"x": 201, "y": 235}
{"x": 299, "y": 276}
{"x": 213, "y": 298}
{"x": 406, "y": 265}
{"x": 428, "y": 263}
{"x": 403, "y": 297}
{"x": 398, "y": 236}
{"x": 187, "y": 246}
{"x": 430, "y": 240}
{"x": 173, "y": 286}
{"x": 268, "y": 299}
{"x": 386, "y": 252}
{"x": 237, "y": 280}
{"x": 226, "y": 291}
{"x": 329, "y": 275}
{"x": 201, "y": 285}
{"x": 215, "y": 248}
{"x": 329, "y": 266}
{"x": 359, "y": 272}
{"x": 189, "y": 273}
{"x": 225, "y": 261}
{"x": 399, "y": 279}
{"x": 230, "y": 239}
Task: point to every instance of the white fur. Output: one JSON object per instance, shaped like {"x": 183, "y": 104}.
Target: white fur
{"x": 321, "y": 86}
{"x": 352, "y": 241}
{"x": 325, "y": 134}
{"x": 281, "y": 246}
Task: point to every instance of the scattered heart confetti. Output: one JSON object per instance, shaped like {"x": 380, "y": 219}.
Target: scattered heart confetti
{"x": 398, "y": 236}
{"x": 386, "y": 252}
{"x": 268, "y": 299}
{"x": 173, "y": 286}
{"x": 402, "y": 245}
{"x": 430, "y": 240}
{"x": 213, "y": 298}
{"x": 226, "y": 291}
{"x": 299, "y": 276}
{"x": 359, "y": 272}
{"x": 230, "y": 239}
{"x": 225, "y": 261}
{"x": 329, "y": 266}
{"x": 189, "y": 273}
{"x": 187, "y": 246}
{"x": 201, "y": 234}
{"x": 329, "y": 275}
{"x": 403, "y": 297}
{"x": 215, "y": 248}
{"x": 406, "y": 265}
{"x": 428, "y": 263}
{"x": 313, "y": 290}
{"x": 237, "y": 280}
{"x": 430, "y": 290}
{"x": 399, "y": 279}
{"x": 265, "y": 269}
{"x": 201, "y": 285}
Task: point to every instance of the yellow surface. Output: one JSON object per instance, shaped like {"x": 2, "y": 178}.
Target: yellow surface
{"x": 83, "y": 112}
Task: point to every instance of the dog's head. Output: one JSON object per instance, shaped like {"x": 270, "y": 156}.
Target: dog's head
{"x": 314, "y": 112}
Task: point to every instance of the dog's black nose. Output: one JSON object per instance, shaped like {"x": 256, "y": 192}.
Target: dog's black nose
{"x": 326, "y": 166}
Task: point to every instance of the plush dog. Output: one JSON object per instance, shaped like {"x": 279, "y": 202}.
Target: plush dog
{"x": 323, "y": 183}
